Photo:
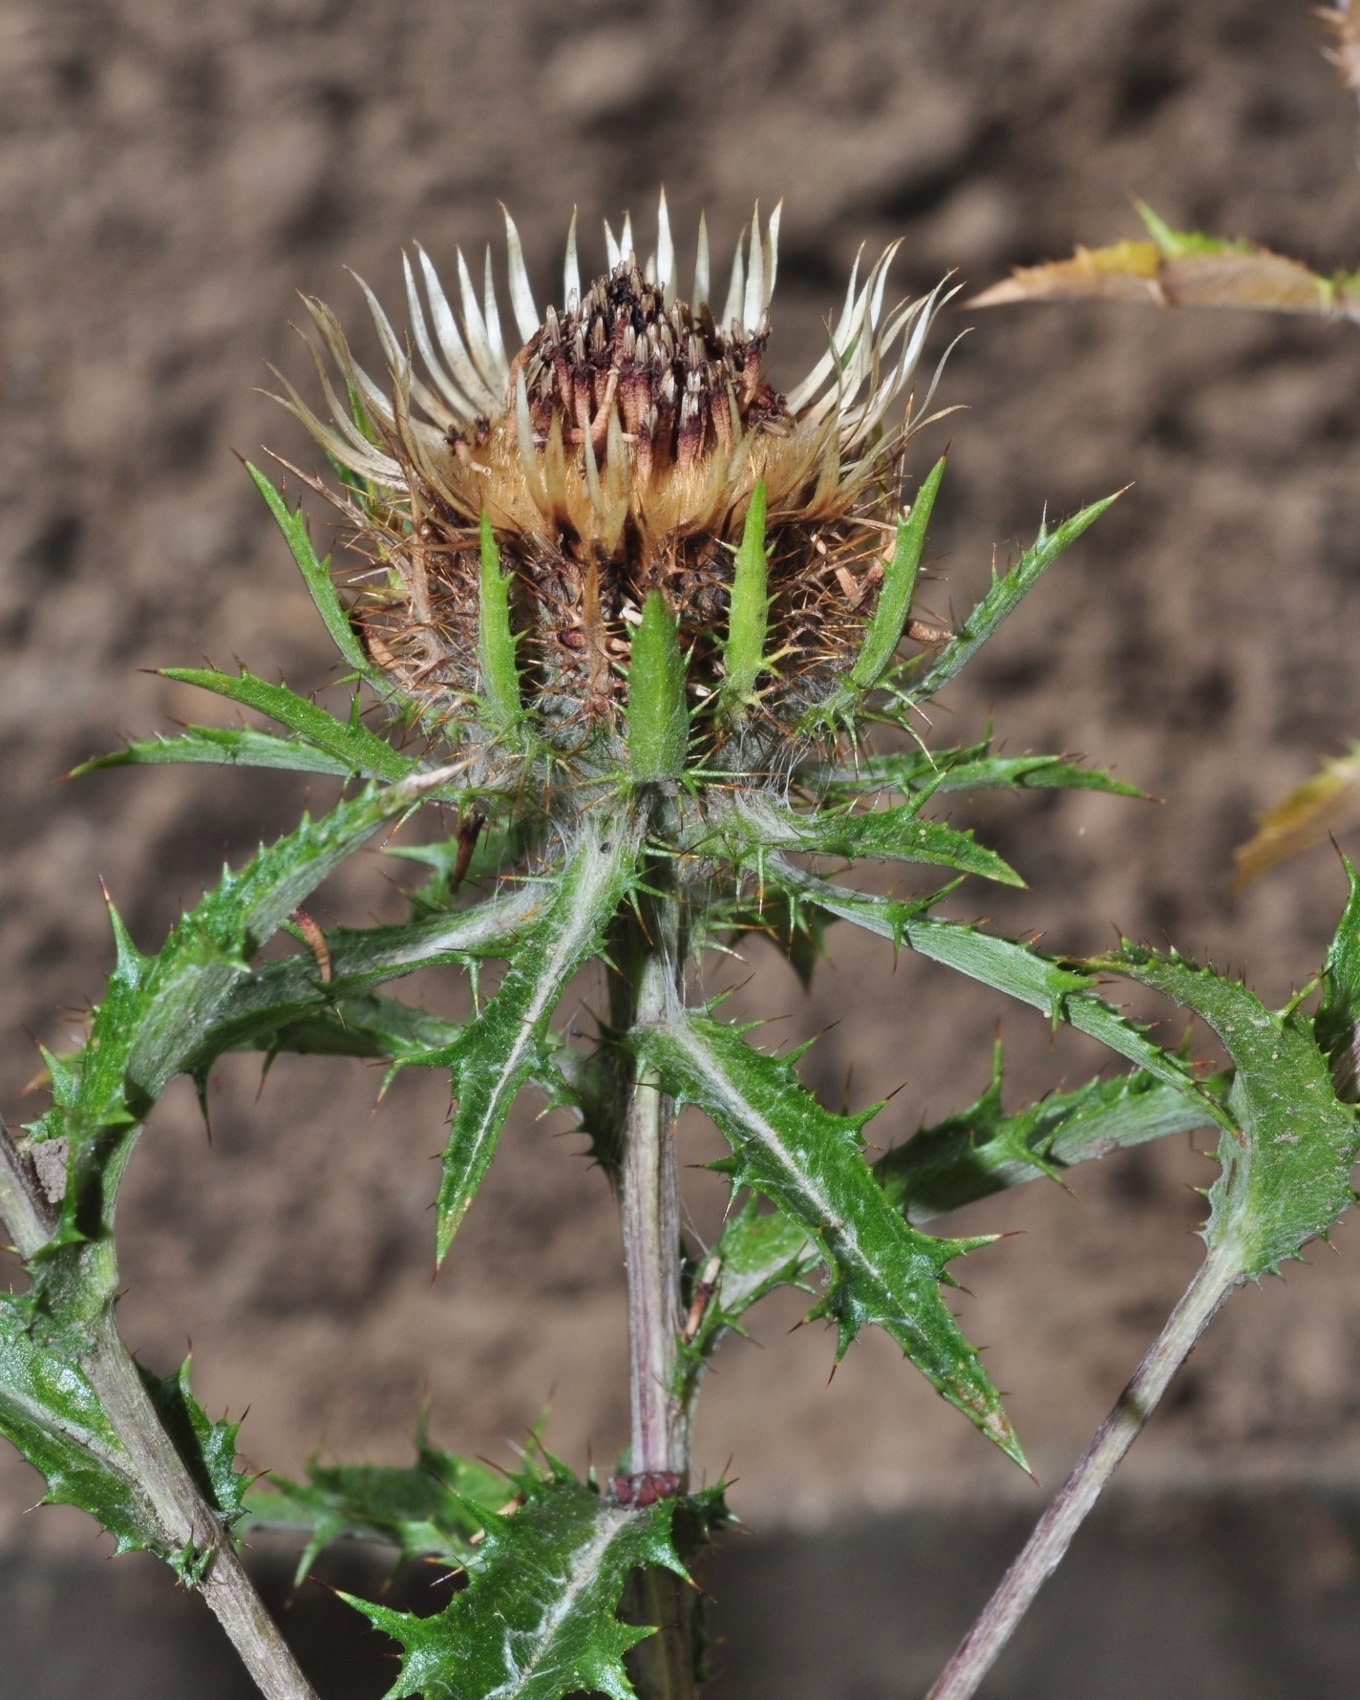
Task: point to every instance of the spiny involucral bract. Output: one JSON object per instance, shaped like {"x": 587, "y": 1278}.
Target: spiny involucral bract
{"x": 629, "y": 496}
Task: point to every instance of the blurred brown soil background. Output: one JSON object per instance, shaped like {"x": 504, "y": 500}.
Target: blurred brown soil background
{"x": 170, "y": 174}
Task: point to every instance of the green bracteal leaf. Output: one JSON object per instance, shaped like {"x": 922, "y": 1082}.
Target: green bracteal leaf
{"x": 893, "y": 834}
{"x": 316, "y": 575}
{"x": 748, "y": 614}
{"x": 228, "y": 746}
{"x": 884, "y": 631}
{"x": 1063, "y": 991}
{"x": 1004, "y": 595}
{"x": 504, "y": 1044}
{"x": 350, "y": 742}
{"x": 658, "y": 718}
{"x": 918, "y": 774}
{"x": 495, "y": 642}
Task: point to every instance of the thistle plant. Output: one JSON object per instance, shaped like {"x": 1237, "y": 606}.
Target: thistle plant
{"x": 636, "y": 631}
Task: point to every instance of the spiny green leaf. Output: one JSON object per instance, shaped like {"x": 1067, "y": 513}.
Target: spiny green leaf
{"x": 226, "y": 747}
{"x": 504, "y": 840}
{"x": 316, "y": 575}
{"x": 362, "y": 751}
{"x": 430, "y": 1509}
{"x": 755, "y": 1253}
{"x": 207, "y": 1448}
{"x": 537, "y": 1619}
{"x": 1062, "y": 991}
{"x": 1003, "y": 596}
{"x": 894, "y": 834}
{"x": 495, "y": 642}
{"x": 981, "y": 1150}
{"x": 884, "y": 631}
{"x": 503, "y": 1045}
{"x": 748, "y": 613}
{"x": 658, "y": 719}
{"x": 919, "y": 773}
{"x": 1337, "y": 1023}
{"x": 1286, "y": 1175}
{"x": 972, "y": 1155}
{"x": 1022, "y": 773}
{"x": 151, "y": 1022}
{"x": 796, "y": 929}
{"x": 290, "y": 994}
{"x": 808, "y": 1162}
{"x": 49, "y": 1411}
{"x": 208, "y": 953}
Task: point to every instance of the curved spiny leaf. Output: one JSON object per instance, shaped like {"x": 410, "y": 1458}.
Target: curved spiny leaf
{"x": 1286, "y": 1175}
{"x": 503, "y": 1045}
{"x": 808, "y": 1162}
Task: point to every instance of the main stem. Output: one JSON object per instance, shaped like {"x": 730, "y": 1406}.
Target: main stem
{"x": 651, "y": 1250}
{"x": 1043, "y": 1552}
{"x": 648, "y": 978}
{"x": 184, "y": 1515}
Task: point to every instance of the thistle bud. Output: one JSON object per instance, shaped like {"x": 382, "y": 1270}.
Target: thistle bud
{"x": 626, "y": 489}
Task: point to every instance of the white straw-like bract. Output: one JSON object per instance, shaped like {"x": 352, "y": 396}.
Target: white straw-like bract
{"x": 458, "y": 373}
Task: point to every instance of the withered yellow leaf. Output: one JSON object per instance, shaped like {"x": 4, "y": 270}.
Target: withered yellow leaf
{"x": 1178, "y": 268}
{"x": 1324, "y": 802}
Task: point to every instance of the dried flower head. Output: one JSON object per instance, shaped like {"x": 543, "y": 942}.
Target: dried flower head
{"x": 630, "y": 453}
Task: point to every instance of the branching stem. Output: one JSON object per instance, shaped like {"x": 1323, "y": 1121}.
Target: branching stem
{"x": 1046, "y": 1547}
{"x": 184, "y": 1515}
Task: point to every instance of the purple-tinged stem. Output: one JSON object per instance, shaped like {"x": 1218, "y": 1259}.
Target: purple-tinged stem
{"x": 1044, "y": 1550}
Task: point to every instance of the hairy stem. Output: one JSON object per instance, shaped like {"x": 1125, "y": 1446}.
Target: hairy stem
{"x": 649, "y": 978}
{"x": 651, "y": 1249}
{"x": 647, "y": 956}
{"x": 1043, "y": 1552}
{"x": 184, "y": 1515}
